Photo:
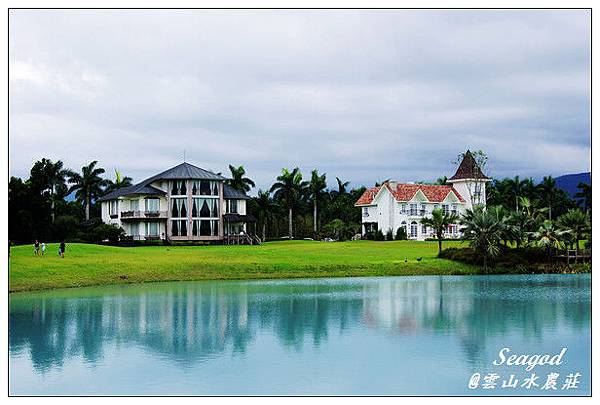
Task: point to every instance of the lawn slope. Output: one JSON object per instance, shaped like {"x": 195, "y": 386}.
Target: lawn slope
{"x": 87, "y": 265}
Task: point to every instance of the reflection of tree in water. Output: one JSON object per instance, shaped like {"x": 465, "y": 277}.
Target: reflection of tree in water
{"x": 190, "y": 322}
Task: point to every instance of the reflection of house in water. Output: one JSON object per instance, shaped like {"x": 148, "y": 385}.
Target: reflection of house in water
{"x": 190, "y": 322}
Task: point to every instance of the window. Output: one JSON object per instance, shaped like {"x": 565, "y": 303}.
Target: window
{"x": 151, "y": 228}
{"x": 424, "y": 229}
{"x": 113, "y": 207}
{"x": 134, "y": 228}
{"x": 233, "y": 206}
{"x": 205, "y": 207}
{"x": 403, "y": 209}
{"x": 134, "y": 205}
{"x": 179, "y": 207}
{"x": 205, "y": 187}
{"x": 423, "y": 210}
{"x": 205, "y": 227}
{"x": 413, "y": 209}
{"x": 179, "y": 227}
{"x": 454, "y": 208}
{"x": 413, "y": 229}
{"x": 178, "y": 187}
{"x": 365, "y": 212}
{"x": 445, "y": 208}
{"x": 152, "y": 204}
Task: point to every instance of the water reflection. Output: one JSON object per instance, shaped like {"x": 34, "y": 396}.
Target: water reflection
{"x": 191, "y": 322}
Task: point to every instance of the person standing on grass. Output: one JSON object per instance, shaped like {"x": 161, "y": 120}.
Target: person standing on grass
{"x": 61, "y": 249}
{"x": 43, "y": 249}
{"x": 36, "y": 248}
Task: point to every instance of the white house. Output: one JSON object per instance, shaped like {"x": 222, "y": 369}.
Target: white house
{"x": 393, "y": 205}
{"x": 182, "y": 203}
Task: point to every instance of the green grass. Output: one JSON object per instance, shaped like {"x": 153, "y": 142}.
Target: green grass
{"x": 87, "y": 265}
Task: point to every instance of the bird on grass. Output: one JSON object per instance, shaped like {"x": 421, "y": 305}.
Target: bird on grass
{"x": 419, "y": 259}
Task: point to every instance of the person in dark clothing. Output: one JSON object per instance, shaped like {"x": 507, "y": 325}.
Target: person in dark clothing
{"x": 36, "y": 248}
{"x": 61, "y": 249}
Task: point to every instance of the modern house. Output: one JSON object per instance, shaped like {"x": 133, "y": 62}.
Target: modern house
{"x": 393, "y": 205}
{"x": 184, "y": 203}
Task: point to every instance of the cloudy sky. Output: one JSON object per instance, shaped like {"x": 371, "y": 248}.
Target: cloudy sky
{"x": 360, "y": 95}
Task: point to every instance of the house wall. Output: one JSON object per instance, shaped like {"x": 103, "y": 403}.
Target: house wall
{"x": 468, "y": 188}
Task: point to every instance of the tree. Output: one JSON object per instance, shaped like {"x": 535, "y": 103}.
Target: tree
{"x": 87, "y": 185}
{"x": 342, "y": 185}
{"x": 316, "y": 187}
{"x": 576, "y": 223}
{"x": 289, "y": 189}
{"x": 120, "y": 182}
{"x": 549, "y": 237}
{"x": 516, "y": 189}
{"x": 238, "y": 181}
{"x": 585, "y": 195}
{"x": 439, "y": 221}
{"x": 484, "y": 231}
{"x": 264, "y": 209}
{"x": 547, "y": 193}
{"x": 442, "y": 181}
{"x": 48, "y": 176}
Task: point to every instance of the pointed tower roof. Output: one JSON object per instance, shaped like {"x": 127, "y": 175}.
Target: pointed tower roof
{"x": 468, "y": 169}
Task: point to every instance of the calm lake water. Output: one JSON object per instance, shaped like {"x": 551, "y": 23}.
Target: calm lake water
{"x": 396, "y": 335}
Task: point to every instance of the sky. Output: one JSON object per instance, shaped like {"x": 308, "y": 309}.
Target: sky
{"x": 361, "y": 95}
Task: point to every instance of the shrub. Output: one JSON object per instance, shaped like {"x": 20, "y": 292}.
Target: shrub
{"x": 401, "y": 234}
{"x": 389, "y": 235}
{"x": 379, "y": 235}
{"x": 105, "y": 232}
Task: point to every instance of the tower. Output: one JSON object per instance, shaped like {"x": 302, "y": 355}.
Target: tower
{"x": 470, "y": 181}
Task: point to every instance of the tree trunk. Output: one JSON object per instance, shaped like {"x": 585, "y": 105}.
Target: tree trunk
{"x": 87, "y": 207}
{"x": 264, "y": 231}
{"x": 577, "y": 244}
{"x": 52, "y": 203}
{"x": 315, "y": 216}
{"x": 290, "y": 222}
{"x": 439, "y": 243}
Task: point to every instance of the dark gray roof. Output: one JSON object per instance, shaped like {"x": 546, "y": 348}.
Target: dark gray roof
{"x": 231, "y": 193}
{"x": 131, "y": 190}
{"x": 179, "y": 172}
{"x": 186, "y": 171}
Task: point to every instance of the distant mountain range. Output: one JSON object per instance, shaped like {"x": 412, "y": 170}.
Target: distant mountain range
{"x": 569, "y": 182}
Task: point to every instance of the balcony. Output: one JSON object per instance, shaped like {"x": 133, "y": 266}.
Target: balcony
{"x": 143, "y": 215}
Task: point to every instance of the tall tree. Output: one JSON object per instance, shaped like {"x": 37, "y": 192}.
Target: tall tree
{"x": 585, "y": 194}
{"x": 50, "y": 177}
{"x": 516, "y": 188}
{"x": 547, "y": 193}
{"x": 289, "y": 189}
{"x": 439, "y": 221}
{"x": 87, "y": 185}
{"x": 317, "y": 185}
{"x": 342, "y": 186}
{"x": 120, "y": 182}
{"x": 264, "y": 209}
{"x": 238, "y": 181}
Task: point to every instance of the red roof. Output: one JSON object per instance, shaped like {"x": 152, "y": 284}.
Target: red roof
{"x": 405, "y": 192}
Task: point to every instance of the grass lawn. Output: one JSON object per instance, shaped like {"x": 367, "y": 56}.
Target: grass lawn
{"x": 86, "y": 265}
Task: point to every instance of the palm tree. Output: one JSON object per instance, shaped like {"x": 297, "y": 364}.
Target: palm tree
{"x": 547, "y": 190}
{"x": 57, "y": 176}
{"x": 264, "y": 209}
{"x": 576, "y": 223}
{"x": 316, "y": 187}
{"x": 238, "y": 181}
{"x": 549, "y": 237}
{"x": 88, "y": 185}
{"x": 289, "y": 188}
{"x": 516, "y": 189}
{"x": 585, "y": 194}
{"x": 484, "y": 231}
{"x": 439, "y": 221}
{"x": 342, "y": 185}
{"x": 119, "y": 182}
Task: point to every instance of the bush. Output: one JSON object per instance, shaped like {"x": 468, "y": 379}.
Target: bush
{"x": 389, "y": 235}
{"x": 401, "y": 234}
{"x": 379, "y": 235}
{"x": 105, "y": 232}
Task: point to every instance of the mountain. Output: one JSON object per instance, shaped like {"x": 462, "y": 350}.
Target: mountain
{"x": 569, "y": 182}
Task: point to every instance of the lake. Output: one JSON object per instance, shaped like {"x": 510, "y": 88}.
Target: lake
{"x": 425, "y": 335}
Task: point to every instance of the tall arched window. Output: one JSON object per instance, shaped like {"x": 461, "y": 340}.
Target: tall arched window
{"x": 413, "y": 229}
